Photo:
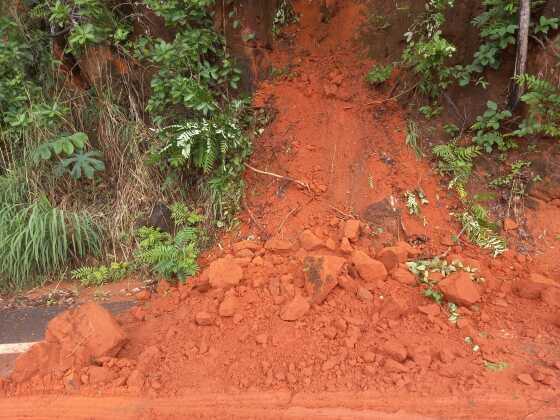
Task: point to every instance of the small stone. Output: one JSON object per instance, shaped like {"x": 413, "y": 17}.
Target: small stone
{"x": 330, "y": 244}
{"x": 250, "y": 245}
{"x": 278, "y": 245}
{"x": 446, "y": 356}
{"x": 203, "y": 318}
{"x": 393, "y": 366}
{"x": 309, "y": 241}
{"x": 71, "y": 381}
{"x": 391, "y": 257}
{"x": 348, "y": 284}
{"x": 510, "y": 224}
{"x": 368, "y": 356}
{"x": 224, "y": 273}
{"x": 261, "y": 339}
{"x": 136, "y": 380}
{"x": 532, "y": 287}
{"x": 245, "y": 253}
{"x": 404, "y": 276}
{"x": 345, "y": 246}
{"x": 432, "y": 310}
{"x": 369, "y": 269}
{"x": 422, "y": 356}
{"x": 551, "y": 296}
{"x": 395, "y": 350}
{"x": 143, "y": 295}
{"x": 258, "y": 261}
{"x": 341, "y": 325}
{"x": 138, "y": 313}
{"x": 364, "y": 294}
{"x": 352, "y": 230}
{"x": 394, "y": 307}
{"x": 295, "y": 309}
{"x": 370, "y": 370}
{"x": 460, "y": 289}
{"x": 229, "y": 305}
{"x": 100, "y": 374}
{"x": 525, "y": 378}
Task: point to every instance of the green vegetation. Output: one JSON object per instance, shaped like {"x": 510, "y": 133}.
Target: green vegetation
{"x": 82, "y": 163}
{"x": 379, "y": 74}
{"x": 427, "y": 51}
{"x": 487, "y": 127}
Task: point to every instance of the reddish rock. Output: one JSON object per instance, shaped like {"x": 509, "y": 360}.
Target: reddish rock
{"x": 349, "y": 284}
{"x": 224, "y": 273}
{"x": 532, "y": 287}
{"x": 391, "y": 257}
{"x": 430, "y": 310}
{"x": 138, "y": 313}
{"x": 278, "y": 245}
{"x": 395, "y": 350}
{"x": 142, "y": 295}
{"x": 321, "y": 275}
{"x": 330, "y": 244}
{"x": 352, "y": 230}
{"x": 345, "y": 246}
{"x": 309, "y": 241}
{"x": 369, "y": 269}
{"x": 526, "y": 379}
{"x": 40, "y": 358}
{"x": 369, "y": 356}
{"x": 551, "y": 296}
{"x": 203, "y": 318}
{"x": 410, "y": 250}
{"x": 136, "y": 380}
{"x": 250, "y": 245}
{"x": 394, "y": 307}
{"x": 422, "y": 356}
{"x": 100, "y": 374}
{"x": 229, "y": 306}
{"x": 364, "y": 294}
{"x": 404, "y": 276}
{"x": 460, "y": 289}
{"x": 74, "y": 338}
{"x": 261, "y": 339}
{"x": 244, "y": 254}
{"x": 510, "y": 224}
{"x": 393, "y": 366}
{"x": 295, "y": 309}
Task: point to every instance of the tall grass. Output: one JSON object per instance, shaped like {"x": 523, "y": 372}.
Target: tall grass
{"x": 37, "y": 238}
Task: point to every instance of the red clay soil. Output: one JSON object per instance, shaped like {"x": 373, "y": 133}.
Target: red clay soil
{"x": 315, "y": 315}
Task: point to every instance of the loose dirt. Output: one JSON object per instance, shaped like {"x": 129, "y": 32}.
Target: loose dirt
{"x": 307, "y": 310}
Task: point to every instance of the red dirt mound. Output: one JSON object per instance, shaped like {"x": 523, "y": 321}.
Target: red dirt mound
{"x": 308, "y": 308}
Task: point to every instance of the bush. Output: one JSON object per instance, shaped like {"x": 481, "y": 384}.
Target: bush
{"x": 37, "y": 238}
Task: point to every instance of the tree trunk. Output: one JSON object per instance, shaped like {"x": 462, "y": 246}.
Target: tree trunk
{"x": 521, "y": 58}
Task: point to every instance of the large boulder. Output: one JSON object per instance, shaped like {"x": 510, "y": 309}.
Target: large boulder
{"x": 321, "y": 275}
{"x": 75, "y": 339}
{"x": 460, "y": 289}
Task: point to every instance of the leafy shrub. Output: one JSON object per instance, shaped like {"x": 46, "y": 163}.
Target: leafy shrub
{"x": 167, "y": 255}
{"x": 379, "y": 74}
{"x": 427, "y": 51}
{"x": 456, "y": 161}
{"x": 97, "y": 276}
{"x": 487, "y": 127}
{"x": 543, "y": 101}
